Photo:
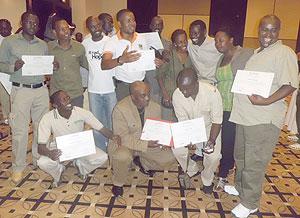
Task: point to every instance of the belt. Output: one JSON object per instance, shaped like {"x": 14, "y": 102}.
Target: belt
{"x": 32, "y": 86}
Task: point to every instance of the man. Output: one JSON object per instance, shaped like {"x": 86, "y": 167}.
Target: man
{"x": 255, "y": 115}
{"x": 29, "y": 94}
{"x": 193, "y": 99}
{"x": 129, "y": 117}
{"x": 101, "y": 88}
{"x": 157, "y": 25}
{"x": 203, "y": 52}
{"x": 5, "y": 30}
{"x": 123, "y": 48}
{"x": 70, "y": 55}
{"x": 107, "y": 24}
{"x": 62, "y": 120}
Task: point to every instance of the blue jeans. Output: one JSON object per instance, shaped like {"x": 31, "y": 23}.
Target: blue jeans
{"x": 102, "y": 105}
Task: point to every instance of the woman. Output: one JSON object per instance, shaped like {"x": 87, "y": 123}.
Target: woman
{"x": 234, "y": 58}
{"x": 167, "y": 73}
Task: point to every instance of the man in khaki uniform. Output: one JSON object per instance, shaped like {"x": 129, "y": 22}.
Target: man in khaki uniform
{"x": 259, "y": 119}
{"x": 129, "y": 116}
{"x": 29, "y": 95}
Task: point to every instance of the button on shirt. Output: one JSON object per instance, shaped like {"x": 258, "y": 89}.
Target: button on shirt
{"x": 100, "y": 81}
{"x": 205, "y": 58}
{"x": 207, "y": 104}
{"x": 53, "y": 123}
{"x": 12, "y": 48}
{"x": 116, "y": 46}
{"x": 280, "y": 60}
{"x": 67, "y": 77}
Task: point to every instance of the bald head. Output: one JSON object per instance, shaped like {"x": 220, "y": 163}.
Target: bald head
{"x": 187, "y": 82}
{"x": 140, "y": 94}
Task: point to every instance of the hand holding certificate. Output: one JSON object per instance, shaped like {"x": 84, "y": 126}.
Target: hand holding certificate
{"x": 76, "y": 145}
{"x": 145, "y": 62}
{"x": 152, "y": 40}
{"x": 37, "y": 65}
{"x": 253, "y": 83}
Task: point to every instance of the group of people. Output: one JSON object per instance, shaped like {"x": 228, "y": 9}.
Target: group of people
{"x": 193, "y": 79}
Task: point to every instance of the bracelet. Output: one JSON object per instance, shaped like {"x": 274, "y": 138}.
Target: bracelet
{"x": 118, "y": 61}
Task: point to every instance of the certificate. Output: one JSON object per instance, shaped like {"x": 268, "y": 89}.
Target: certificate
{"x": 189, "y": 131}
{"x": 76, "y": 145}
{"x": 145, "y": 62}
{"x": 4, "y": 79}
{"x": 37, "y": 65}
{"x": 152, "y": 40}
{"x": 253, "y": 82}
{"x": 157, "y": 130}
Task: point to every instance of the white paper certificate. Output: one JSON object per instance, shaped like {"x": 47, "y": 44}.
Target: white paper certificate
{"x": 37, "y": 65}
{"x": 253, "y": 82}
{"x": 189, "y": 131}
{"x": 156, "y": 130}
{"x": 76, "y": 145}
{"x": 145, "y": 62}
{"x": 152, "y": 40}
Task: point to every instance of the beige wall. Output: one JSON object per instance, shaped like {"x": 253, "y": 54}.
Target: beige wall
{"x": 12, "y": 10}
{"x": 81, "y": 9}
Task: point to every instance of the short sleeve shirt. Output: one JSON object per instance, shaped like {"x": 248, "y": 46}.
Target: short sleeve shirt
{"x": 280, "y": 60}
{"x": 116, "y": 45}
{"x": 53, "y": 123}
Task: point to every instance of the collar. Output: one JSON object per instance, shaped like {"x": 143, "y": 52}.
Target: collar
{"x": 34, "y": 40}
{"x": 278, "y": 42}
{"x": 58, "y": 116}
{"x": 119, "y": 36}
{"x": 56, "y": 45}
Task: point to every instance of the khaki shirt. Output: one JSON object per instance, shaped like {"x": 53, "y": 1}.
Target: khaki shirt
{"x": 280, "y": 60}
{"x": 12, "y": 49}
{"x": 67, "y": 77}
{"x": 208, "y": 104}
{"x": 53, "y": 123}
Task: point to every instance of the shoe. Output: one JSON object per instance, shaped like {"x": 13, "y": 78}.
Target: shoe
{"x": 16, "y": 177}
{"x": 5, "y": 122}
{"x": 138, "y": 163}
{"x": 242, "y": 211}
{"x": 55, "y": 184}
{"x": 295, "y": 146}
{"x": 293, "y": 138}
{"x": 220, "y": 185}
{"x": 117, "y": 190}
{"x": 208, "y": 189}
{"x": 196, "y": 157}
{"x": 231, "y": 190}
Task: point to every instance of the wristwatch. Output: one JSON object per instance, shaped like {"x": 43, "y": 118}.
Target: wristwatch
{"x": 118, "y": 61}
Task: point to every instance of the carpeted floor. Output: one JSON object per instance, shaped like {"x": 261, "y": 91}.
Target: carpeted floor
{"x": 158, "y": 196}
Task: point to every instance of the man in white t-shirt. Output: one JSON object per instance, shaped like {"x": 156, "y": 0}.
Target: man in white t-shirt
{"x": 101, "y": 88}
{"x": 203, "y": 52}
{"x": 123, "y": 48}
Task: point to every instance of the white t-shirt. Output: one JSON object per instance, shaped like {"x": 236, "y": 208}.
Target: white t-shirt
{"x": 100, "y": 81}
{"x": 205, "y": 58}
{"x": 116, "y": 45}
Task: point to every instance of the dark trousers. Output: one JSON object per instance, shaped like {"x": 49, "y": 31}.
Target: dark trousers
{"x": 227, "y": 148}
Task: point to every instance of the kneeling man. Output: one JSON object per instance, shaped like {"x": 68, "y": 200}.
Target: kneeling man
{"x": 193, "y": 99}
{"x": 128, "y": 118}
{"x": 62, "y": 120}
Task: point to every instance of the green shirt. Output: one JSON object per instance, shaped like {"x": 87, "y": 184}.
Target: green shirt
{"x": 225, "y": 78}
{"x": 12, "y": 49}
{"x": 169, "y": 71}
{"x": 67, "y": 77}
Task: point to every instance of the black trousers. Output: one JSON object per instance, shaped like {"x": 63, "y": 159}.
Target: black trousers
{"x": 227, "y": 148}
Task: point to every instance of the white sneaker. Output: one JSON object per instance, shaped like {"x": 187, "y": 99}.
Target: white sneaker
{"x": 242, "y": 211}
{"x": 295, "y": 146}
{"x": 293, "y": 138}
{"x": 231, "y": 190}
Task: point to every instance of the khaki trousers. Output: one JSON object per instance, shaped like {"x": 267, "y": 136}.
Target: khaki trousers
{"x": 253, "y": 150}
{"x": 85, "y": 164}
{"x": 121, "y": 158}
{"x": 5, "y": 104}
{"x": 26, "y": 104}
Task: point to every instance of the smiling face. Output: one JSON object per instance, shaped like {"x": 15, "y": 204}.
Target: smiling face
{"x": 127, "y": 23}
{"x": 63, "y": 102}
{"x": 95, "y": 27}
{"x": 62, "y": 30}
{"x": 181, "y": 43}
{"x": 268, "y": 31}
{"x": 197, "y": 35}
{"x": 30, "y": 24}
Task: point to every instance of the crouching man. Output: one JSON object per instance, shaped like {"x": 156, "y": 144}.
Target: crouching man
{"x": 62, "y": 120}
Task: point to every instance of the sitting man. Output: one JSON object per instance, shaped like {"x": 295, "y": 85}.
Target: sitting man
{"x": 62, "y": 120}
{"x": 193, "y": 99}
{"x": 128, "y": 120}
